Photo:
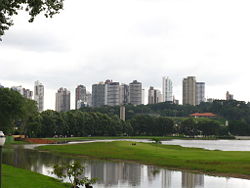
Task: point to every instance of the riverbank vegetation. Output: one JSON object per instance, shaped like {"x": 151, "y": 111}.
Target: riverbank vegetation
{"x": 20, "y": 178}
{"x": 226, "y": 163}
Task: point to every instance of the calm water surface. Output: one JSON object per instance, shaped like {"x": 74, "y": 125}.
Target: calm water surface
{"x": 224, "y": 145}
{"x": 120, "y": 174}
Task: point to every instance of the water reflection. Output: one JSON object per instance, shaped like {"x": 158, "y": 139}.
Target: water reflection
{"x": 192, "y": 180}
{"x": 118, "y": 174}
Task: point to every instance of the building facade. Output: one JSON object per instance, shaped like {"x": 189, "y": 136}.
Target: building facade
{"x": 39, "y": 95}
{"x": 154, "y": 96}
{"x": 89, "y": 98}
{"x": 80, "y": 96}
{"x": 135, "y": 93}
{"x": 112, "y": 93}
{"x": 229, "y": 96}
{"x": 200, "y": 92}
{"x": 98, "y": 94}
{"x": 167, "y": 89}
{"x": 124, "y": 94}
{"x": 24, "y": 92}
{"x": 189, "y": 91}
{"x": 62, "y": 100}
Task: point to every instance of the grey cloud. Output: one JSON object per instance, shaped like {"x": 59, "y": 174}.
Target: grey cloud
{"x": 33, "y": 41}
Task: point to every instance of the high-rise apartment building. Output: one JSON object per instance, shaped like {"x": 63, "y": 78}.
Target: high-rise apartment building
{"x": 229, "y": 96}
{"x": 143, "y": 96}
{"x": 24, "y": 92}
{"x": 62, "y": 100}
{"x": 124, "y": 94}
{"x": 167, "y": 89}
{"x": 89, "y": 98}
{"x": 98, "y": 94}
{"x": 200, "y": 92}
{"x": 189, "y": 91}
{"x": 112, "y": 93}
{"x": 154, "y": 96}
{"x": 80, "y": 97}
{"x": 39, "y": 95}
{"x": 27, "y": 93}
{"x": 135, "y": 93}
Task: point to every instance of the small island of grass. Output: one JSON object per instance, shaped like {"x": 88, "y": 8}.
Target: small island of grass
{"x": 224, "y": 163}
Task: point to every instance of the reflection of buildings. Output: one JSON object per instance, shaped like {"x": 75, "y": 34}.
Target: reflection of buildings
{"x": 132, "y": 173}
{"x": 190, "y": 180}
{"x": 152, "y": 172}
{"x": 166, "y": 178}
{"x": 110, "y": 174}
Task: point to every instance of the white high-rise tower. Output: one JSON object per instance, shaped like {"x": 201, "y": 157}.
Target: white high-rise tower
{"x": 167, "y": 89}
{"x": 39, "y": 95}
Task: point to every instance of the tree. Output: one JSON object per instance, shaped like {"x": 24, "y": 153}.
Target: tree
{"x": 8, "y": 8}
{"x": 208, "y": 127}
{"x": 74, "y": 172}
{"x": 189, "y": 127}
{"x": 11, "y": 108}
{"x": 164, "y": 126}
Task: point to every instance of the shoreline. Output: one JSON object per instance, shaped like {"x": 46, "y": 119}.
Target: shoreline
{"x": 196, "y": 166}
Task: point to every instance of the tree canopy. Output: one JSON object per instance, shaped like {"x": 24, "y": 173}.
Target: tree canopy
{"x": 14, "y": 108}
{"x": 9, "y": 8}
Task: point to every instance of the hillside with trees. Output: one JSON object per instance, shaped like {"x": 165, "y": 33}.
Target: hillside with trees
{"x": 19, "y": 115}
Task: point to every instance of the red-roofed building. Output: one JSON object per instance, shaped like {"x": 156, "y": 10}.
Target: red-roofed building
{"x": 207, "y": 115}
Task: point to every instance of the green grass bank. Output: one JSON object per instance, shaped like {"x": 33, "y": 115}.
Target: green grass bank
{"x": 20, "y": 178}
{"x": 136, "y": 137}
{"x": 224, "y": 163}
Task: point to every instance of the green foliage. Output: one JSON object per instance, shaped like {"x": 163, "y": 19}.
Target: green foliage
{"x": 239, "y": 128}
{"x": 156, "y": 140}
{"x": 74, "y": 172}
{"x": 12, "y": 107}
{"x": 34, "y": 7}
{"x": 151, "y": 125}
{"x": 208, "y": 127}
{"x": 189, "y": 127}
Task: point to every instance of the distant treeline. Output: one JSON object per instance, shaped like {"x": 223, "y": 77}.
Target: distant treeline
{"x": 20, "y": 116}
{"x": 77, "y": 123}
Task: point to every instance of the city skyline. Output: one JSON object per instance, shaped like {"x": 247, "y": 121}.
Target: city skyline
{"x": 117, "y": 98}
{"x": 156, "y": 38}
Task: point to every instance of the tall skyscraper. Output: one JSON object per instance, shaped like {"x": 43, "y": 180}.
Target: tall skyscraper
{"x": 80, "y": 96}
{"x": 135, "y": 93}
{"x": 189, "y": 91}
{"x": 167, "y": 89}
{"x": 229, "y": 96}
{"x": 62, "y": 100}
{"x": 143, "y": 96}
{"x": 24, "y": 92}
{"x": 200, "y": 92}
{"x": 27, "y": 93}
{"x": 89, "y": 98}
{"x": 154, "y": 96}
{"x": 39, "y": 95}
{"x": 124, "y": 94}
{"x": 112, "y": 93}
{"x": 98, "y": 94}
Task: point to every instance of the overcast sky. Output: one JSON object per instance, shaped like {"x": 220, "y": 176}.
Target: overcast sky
{"x": 123, "y": 40}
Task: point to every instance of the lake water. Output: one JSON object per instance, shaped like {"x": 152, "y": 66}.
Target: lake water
{"x": 224, "y": 145}
{"x": 120, "y": 174}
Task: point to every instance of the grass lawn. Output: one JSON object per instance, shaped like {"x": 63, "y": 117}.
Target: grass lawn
{"x": 226, "y": 163}
{"x": 126, "y": 137}
{"x": 20, "y": 178}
